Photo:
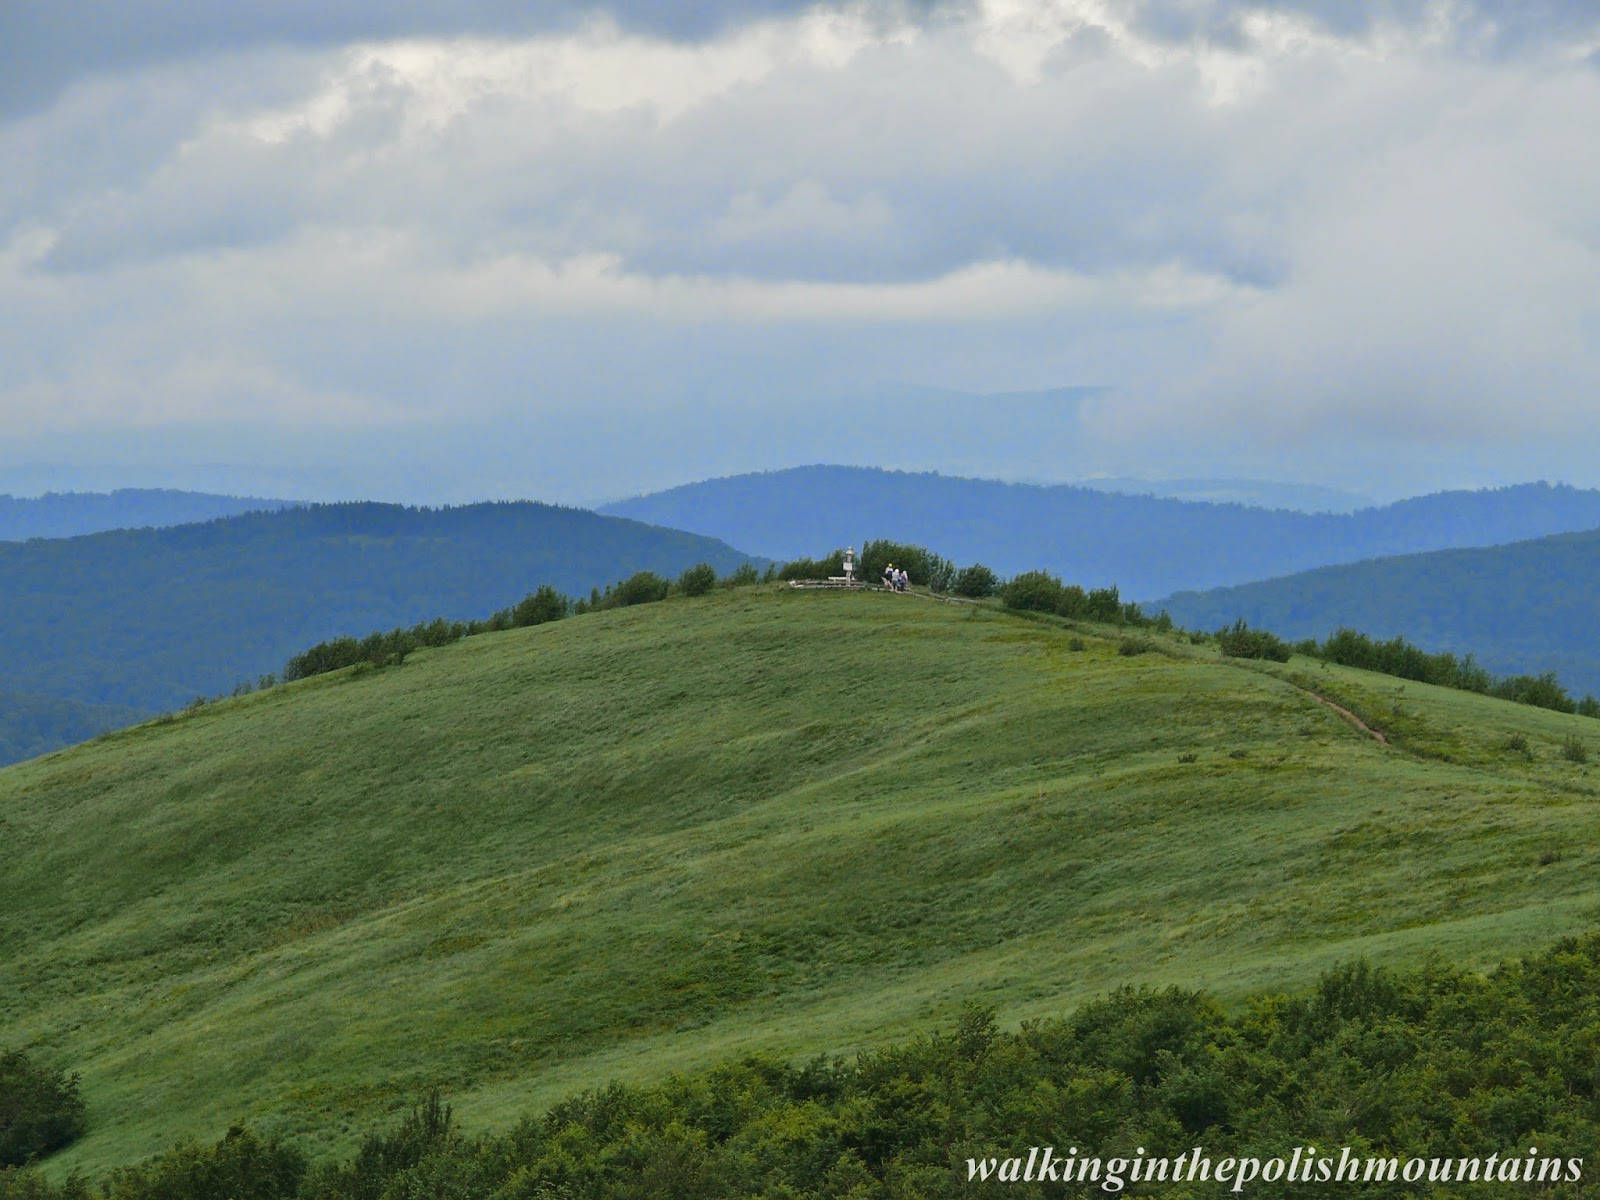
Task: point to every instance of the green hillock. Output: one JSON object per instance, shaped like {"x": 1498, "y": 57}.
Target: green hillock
{"x": 656, "y": 838}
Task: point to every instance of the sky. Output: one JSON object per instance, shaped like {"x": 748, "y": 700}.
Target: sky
{"x": 574, "y": 253}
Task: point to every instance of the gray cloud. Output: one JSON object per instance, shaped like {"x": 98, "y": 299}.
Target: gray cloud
{"x": 681, "y": 242}
{"x": 44, "y": 44}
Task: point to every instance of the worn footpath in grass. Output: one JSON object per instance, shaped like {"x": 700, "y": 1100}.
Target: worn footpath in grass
{"x": 653, "y": 838}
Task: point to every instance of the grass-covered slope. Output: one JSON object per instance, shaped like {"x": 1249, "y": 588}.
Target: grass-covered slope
{"x": 657, "y": 837}
{"x": 1531, "y": 606}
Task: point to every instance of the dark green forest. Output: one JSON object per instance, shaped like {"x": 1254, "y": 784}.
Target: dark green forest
{"x": 149, "y": 619}
{"x": 1435, "y": 1063}
{"x": 1523, "y": 609}
{"x": 1147, "y": 546}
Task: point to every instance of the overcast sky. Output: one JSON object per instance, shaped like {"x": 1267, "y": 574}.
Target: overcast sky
{"x": 569, "y": 252}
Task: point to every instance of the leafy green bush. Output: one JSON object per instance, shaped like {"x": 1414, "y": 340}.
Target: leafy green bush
{"x": 1104, "y": 604}
{"x": 975, "y": 582}
{"x": 1130, "y": 647}
{"x": 1542, "y": 691}
{"x": 239, "y": 1167}
{"x": 1573, "y": 749}
{"x": 816, "y": 568}
{"x": 745, "y": 575}
{"x": 698, "y": 579}
{"x": 642, "y": 587}
{"x": 538, "y": 607}
{"x": 1240, "y": 641}
{"x": 1033, "y": 591}
{"x": 40, "y": 1110}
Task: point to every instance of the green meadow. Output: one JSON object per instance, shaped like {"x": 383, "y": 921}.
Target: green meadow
{"x": 653, "y": 839}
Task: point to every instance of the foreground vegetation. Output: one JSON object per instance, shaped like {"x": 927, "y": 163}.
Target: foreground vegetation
{"x": 1431, "y": 1063}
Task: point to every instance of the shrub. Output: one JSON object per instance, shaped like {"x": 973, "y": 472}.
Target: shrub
{"x": 540, "y": 606}
{"x": 1076, "y": 644}
{"x": 1128, "y": 647}
{"x": 1033, "y": 591}
{"x": 975, "y": 582}
{"x": 817, "y": 568}
{"x": 1517, "y": 743}
{"x": 1240, "y": 641}
{"x": 642, "y": 587}
{"x": 40, "y": 1110}
{"x": 745, "y": 575}
{"x": 1104, "y": 604}
{"x": 239, "y": 1167}
{"x": 1573, "y": 749}
{"x": 1542, "y": 691}
{"x": 1589, "y": 707}
{"x": 698, "y": 580}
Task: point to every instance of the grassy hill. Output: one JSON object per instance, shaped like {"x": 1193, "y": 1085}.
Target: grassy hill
{"x": 151, "y": 618}
{"x": 1528, "y": 607}
{"x": 657, "y": 837}
{"x": 1147, "y": 546}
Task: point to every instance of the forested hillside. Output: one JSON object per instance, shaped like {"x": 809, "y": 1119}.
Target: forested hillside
{"x": 1532, "y": 606}
{"x": 150, "y": 618}
{"x": 69, "y": 514}
{"x": 1147, "y": 546}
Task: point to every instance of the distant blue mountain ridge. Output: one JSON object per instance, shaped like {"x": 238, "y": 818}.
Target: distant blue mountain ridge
{"x": 1523, "y": 608}
{"x": 1148, "y": 546}
{"x": 71, "y": 514}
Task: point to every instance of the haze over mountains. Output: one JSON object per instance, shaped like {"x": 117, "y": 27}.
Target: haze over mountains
{"x": 147, "y": 619}
{"x": 1147, "y": 546}
{"x": 69, "y": 514}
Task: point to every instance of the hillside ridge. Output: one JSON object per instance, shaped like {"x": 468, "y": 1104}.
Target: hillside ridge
{"x": 656, "y": 837}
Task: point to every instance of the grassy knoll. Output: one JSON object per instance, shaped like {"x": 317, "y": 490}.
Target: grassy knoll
{"x": 653, "y": 838}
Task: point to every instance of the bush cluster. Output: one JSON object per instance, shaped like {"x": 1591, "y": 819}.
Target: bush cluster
{"x": 40, "y": 1110}
{"x": 1240, "y": 641}
{"x": 1401, "y": 659}
{"x": 1040, "y": 591}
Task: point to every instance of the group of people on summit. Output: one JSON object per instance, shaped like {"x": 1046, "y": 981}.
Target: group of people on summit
{"x": 895, "y": 580}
